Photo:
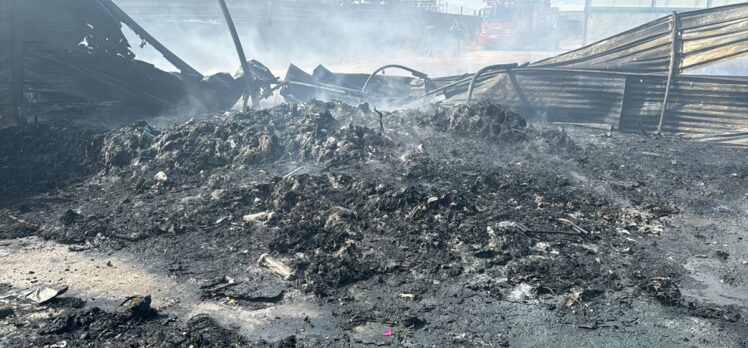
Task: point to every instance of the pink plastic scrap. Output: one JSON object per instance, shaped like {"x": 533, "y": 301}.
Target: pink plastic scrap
{"x": 388, "y": 332}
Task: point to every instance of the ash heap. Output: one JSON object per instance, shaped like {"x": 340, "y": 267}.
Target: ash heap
{"x": 495, "y": 209}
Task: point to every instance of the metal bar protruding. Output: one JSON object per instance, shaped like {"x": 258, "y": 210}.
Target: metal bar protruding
{"x": 123, "y": 17}
{"x": 239, "y": 48}
{"x": 672, "y": 69}
{"x": 481, "y": 72}
{"x": 415, "y": 73}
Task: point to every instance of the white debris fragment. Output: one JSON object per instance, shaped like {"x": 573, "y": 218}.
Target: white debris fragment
{"x": 161, "y": 177}
{"x": 276, "y": 266}
{"x": 262, "y": 217}
{"x": 520, "y": 293}
{"x": 574, "y": 297}
{"x": 217, "y": 195}
{"x": 541, "y": 247}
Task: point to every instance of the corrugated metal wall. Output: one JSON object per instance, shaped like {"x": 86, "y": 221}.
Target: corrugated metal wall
{"x": 706, "y": 37}
{"x": 708, "y": 108}
{"x": 608, "y": 17}
{"x": 703, "y": 106}
{"x": 557, "y": 96}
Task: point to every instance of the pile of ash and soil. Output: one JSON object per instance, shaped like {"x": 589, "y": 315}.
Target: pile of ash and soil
{"x": 427, "y": 221}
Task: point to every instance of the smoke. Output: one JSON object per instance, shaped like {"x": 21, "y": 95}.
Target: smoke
{"x": 350, "y": 39}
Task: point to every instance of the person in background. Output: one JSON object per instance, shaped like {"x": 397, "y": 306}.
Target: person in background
{"x": 427, "y": 41}
{"x": 456, "y": 32}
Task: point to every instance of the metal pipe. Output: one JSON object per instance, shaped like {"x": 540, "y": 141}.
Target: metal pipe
{"x": 123, "y": 17}
{"x": 239, "y": 49}
{"x": 671, "y": 69}
{"x": 481, "y": 72}
{"x": 415, "y": 73}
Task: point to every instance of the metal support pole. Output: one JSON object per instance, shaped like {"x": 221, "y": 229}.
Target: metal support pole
{"x": 239, "y": 49}
{"x": 672, "y": 68}
{"x": 170, "y": 56}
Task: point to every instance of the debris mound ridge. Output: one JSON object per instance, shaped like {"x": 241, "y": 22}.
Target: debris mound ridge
{"x": 390, "y": 220}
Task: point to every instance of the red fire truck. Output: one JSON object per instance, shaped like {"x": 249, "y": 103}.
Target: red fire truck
{"x": 519, "y": 24}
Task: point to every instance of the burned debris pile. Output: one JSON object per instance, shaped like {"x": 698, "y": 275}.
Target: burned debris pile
{"x": 486, "y": 120}
{"x": 294, "y": 132}
{"x": 391, "y": 219}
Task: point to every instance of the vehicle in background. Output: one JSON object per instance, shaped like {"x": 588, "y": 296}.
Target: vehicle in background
{"x": 519, "y": 24}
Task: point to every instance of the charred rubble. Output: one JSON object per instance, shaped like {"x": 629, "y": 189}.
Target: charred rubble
{"x": 70, "y": 60}
{"x": 440, "y": 221}
{"x": 425, "y": 223}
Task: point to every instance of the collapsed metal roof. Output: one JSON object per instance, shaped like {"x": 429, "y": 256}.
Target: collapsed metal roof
{"x": 633, "y": 81}
{"x": 70, "y": 59}
{"x": 701, "y": 38}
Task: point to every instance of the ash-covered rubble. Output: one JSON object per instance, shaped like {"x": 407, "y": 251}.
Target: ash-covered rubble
{"x": 450, "y": 226}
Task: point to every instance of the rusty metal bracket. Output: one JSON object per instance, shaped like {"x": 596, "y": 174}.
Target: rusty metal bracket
{"x": 483, "y": 71}
{"x": 672, "y": 70}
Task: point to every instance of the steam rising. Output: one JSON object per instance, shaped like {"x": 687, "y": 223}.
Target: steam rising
{"x": 354, "y": 41}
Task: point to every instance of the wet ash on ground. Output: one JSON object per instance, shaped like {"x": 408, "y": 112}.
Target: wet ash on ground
{"x": 461, "y": 226}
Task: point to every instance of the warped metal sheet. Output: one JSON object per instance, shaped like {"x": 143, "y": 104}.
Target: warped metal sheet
{"x": 622, "y": 82}
{"x": 704, "y": 37}
{"x": 706, "y": 107}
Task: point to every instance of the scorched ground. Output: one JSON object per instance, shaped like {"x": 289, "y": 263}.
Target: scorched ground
{"x": 322, "y": 224}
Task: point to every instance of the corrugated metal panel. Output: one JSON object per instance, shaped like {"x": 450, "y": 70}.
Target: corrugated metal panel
{"x": 557, "y": 96}
{"x": 708, "y": 36}
{"x": 710, "y": 108}
{"x": 698, "y": 105}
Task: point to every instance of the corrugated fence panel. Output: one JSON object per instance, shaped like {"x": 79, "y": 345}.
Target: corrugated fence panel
{"x": 697, "y": 105}
{"x": 708, "y": 36}
{"x": 555, "y": 96}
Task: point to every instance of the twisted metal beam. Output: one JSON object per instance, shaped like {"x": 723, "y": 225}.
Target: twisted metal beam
{"x": 483, "y": 71}
{"x": 416, "y": 73}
